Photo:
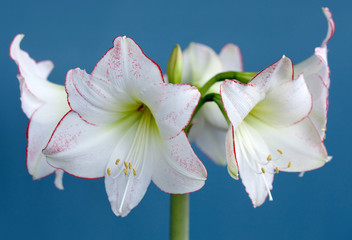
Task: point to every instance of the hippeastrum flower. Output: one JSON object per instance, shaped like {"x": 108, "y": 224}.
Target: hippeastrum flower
{"x": 209, "y": 128}
{"x": 44, "y": 103}
{"x": 127, "y": 125}
{"x": 271, "y": 130}
{"x": 317, "y": 75}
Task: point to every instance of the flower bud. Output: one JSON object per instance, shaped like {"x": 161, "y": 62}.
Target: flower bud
{"x": 174, "y": 66}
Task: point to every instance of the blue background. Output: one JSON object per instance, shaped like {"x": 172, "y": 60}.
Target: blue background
{"x": 77, "y": 33}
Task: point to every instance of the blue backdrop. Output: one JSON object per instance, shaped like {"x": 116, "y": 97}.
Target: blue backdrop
{"x": 77, "y": 33}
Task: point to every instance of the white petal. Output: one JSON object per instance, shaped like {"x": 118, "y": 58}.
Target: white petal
{"x": 231, "y": 58}
{"x": 300, "y": 144}
{"x": 58, "y": 179}
{"x": 95, "y": 100}
{"x": 171, "y": 105}
{"x": 209, "y": 138}
{"x": 40, "y": 128}
{"x": 250, "y": 147}
{"x": 79, "y": 148}
{"x": 239, "y": 99}
{"x": 288, "y": 103}
{"x": 177, "y": 169}
{"x": 126, "y": 191}
{"x": 127, "y": 67}
{"x": 200, "y": 63}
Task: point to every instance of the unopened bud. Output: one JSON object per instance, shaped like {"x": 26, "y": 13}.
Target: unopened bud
{"x": 174, "y": 66}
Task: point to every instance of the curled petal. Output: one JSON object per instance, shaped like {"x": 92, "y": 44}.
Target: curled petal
{"x": 58, "y": 179}
{"x": 232, "y": 165}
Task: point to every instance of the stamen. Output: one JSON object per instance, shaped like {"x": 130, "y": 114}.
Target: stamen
{"x": 289, "y": 164}
{"x": 140, "y": 108}
{"x": 269, "y": 158}
{"x": 125, "y": 170}
{"x": 280, "y": 151}
{"x": 126, "y": 164}
{"x": 134, "y": 172}
{"x": 263, "y": 170}
{"x": 117, "y": 161}
{"x": 108, "y": 171}
{"x": 276, "y": 170}
{"x": 130, "y": 165}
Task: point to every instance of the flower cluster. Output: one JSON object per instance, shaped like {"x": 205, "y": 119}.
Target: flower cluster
{"x": 125, "y": 123}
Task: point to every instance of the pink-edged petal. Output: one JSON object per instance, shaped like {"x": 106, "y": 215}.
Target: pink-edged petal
{"x": 127, "y": 67}
{"x": 249, "y": 148}
{"x": 126, "y": 191}
{"x": 40, "y": 128}
{"x": 34, "y": 75}
{"x": 231, "y": 58}
{"x": 239, "y": 99}
{"x": 29, "y": 102}
{"x": 209, "y": 138}
{"x": 79, "y": 148}
{"x": 232, "y": 166}
{"x": 58, "y": 179}
{"x": 286, "y": 104}
{"x": 171, "y": 105}
{"x": 200, "y": 63}
{"x": 177, "y": 168}
{"x": 95, "y": 100}
{"x": 300, "y": 144}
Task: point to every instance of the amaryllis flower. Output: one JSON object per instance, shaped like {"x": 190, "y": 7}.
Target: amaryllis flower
{"x": 44, "y": 103}
{"x": 209, "y": 127}
{"x": 270, "y": 130}
{"x": 127, "y": 125}
{"x": 317, "y": 75}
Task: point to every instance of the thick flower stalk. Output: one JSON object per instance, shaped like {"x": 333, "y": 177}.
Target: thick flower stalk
{"x": 44, "y": 103}
{"x": 317, "y": 75}
{"x": 209, "y": 127}
{"x": 271, "y": 130}
{"x": 127, "y": 125}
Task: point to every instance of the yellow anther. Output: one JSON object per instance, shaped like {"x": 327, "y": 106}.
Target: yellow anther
{"x": 289, "y": 164}
{"x": 126, "y": 164}
{"x": 280, "y": 151}
{"x": 108, "y": 171}
{"x": 269, "y": 158}
{"x": 117, "y": 161}
{"x": 263, "y": 170}
{"x": 125, "y": 170}
{"x": 324, "y": 136}
{"x": 134, "y": 172}
{"x": 276, "y": 170}
{"x": 130, "y": 165}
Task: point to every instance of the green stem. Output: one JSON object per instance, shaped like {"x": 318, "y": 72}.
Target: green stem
{"x": 243, "y": 77}
{"x": 206, "y": 98}
{"x": 179, "y": 216}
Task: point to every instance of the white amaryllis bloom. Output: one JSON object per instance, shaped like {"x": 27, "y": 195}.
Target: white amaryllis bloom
{"x": 127, "y": 125}
{"x": 270, "y": 129}
{"x": 44, "y": 103}
{"x": 201, "y": 63}
{"x": 317, "y": 75}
